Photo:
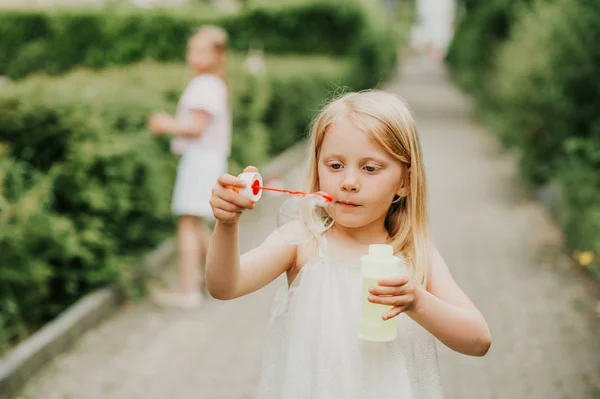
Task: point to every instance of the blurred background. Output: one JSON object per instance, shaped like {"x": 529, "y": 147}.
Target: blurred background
{"x": 85, "y": 189}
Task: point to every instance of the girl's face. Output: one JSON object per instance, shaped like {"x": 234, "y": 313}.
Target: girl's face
{"x": 202, "y": 55}
{"x": 360, "y": 176}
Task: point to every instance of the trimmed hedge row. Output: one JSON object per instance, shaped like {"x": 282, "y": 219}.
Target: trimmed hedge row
{"x": 486, "y": 26}
{"x": 84, "y": 188}
{"x": 37, "y": 41}
{"x": 540, "y": 90}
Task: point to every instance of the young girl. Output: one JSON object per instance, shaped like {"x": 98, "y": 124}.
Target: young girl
{"x": 202, "y": 130}
{"x": 365, "y": 153}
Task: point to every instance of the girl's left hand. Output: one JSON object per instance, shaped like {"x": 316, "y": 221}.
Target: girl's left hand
{"x": 161, "y": 123}
{"x": 400, "y": 292}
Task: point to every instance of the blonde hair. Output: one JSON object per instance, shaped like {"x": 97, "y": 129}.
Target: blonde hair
{"x": 219, "y": 38}
{"x": 386, "y": 119}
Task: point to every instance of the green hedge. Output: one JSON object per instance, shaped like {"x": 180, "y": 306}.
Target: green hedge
{"x": 296, "y": 96}
{"x": 541, "y": 93}
{"x": 477, "y": 38}
{"x": 84, "y": 187}
{"x": 104, "y": 194}
{"x": 37, "y": 41}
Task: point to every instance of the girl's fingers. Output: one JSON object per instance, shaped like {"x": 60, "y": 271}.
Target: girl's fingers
{"x": 396, "y": 310}
{"x": 378, "y": 290}
{"x": 391, "y": 300}
{"x": 219, "y": 203}
{"x": 229, "y": 195}
{"x": 237, "y": 199}
{"x": 230, "y": 181}
{"x": 225, "y": 216}
{"x": 226, "y": 201}
{"x": 395, "y": 281}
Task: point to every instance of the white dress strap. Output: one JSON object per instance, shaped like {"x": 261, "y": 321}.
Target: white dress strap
{"x": 322, "y": 246}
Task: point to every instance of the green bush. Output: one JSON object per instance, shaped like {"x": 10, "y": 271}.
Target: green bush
{"x": 542, "y": 95}
{"x": 105, "y": 192}
{"x": 375, "y": 53}
{"x": 37, "y": 41}
{"x": 26, "y": 227}
{"x": 552, "y": 96}
{"x": 472, "y": 51}
{"x": 555, "y": 110}
{"x": 296, "y": 97}
{"x": 85, "y": 186}
{"x": 577, "y": 210}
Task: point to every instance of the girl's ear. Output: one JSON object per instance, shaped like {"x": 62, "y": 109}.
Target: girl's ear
{"x": 404, "y": 188}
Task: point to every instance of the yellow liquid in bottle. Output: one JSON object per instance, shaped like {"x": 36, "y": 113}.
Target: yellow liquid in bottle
{"x": 372, "y": 326}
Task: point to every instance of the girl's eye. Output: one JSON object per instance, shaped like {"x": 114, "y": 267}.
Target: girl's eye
{"x": 370, "y": 169}
{"x": 335, "y": 166}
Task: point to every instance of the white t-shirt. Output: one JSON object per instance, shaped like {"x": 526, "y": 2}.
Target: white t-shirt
{"x": 208, "y": 93}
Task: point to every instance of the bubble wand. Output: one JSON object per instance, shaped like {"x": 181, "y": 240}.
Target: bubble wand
{"x": 254, "y": 188}
{"x": 301, "y": 217}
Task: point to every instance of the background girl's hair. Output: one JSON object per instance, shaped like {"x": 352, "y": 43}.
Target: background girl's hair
{"x": 388, "y": 121}
{"x": 219, "y": 38}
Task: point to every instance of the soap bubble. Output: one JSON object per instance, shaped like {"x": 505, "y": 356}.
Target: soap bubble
{"x": 302, "y": 218}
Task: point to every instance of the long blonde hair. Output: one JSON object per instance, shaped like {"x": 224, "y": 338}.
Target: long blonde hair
{"x": 386, "y": 119}
{"x": 219, "y": 38}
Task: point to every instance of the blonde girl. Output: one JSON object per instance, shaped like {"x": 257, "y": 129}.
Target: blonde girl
{"x": 364, "y": 151}
{"x": 202, "y": 137}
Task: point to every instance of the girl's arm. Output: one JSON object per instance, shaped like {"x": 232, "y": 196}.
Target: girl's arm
{"x": 446, "y": 312}
{"x": 443, "y": 309}
{"x": 162, "y": 123}
{"x": 228, "y": 275}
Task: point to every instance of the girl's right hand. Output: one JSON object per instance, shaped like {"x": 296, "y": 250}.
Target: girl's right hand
{"x": 227, "y": 204}
{"x": 161, "y": 123}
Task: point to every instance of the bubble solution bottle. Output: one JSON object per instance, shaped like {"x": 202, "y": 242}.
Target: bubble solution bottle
{"x": 379, "y": 264}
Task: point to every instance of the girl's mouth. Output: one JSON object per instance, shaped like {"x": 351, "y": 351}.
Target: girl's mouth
{"x": 348, "y": 204}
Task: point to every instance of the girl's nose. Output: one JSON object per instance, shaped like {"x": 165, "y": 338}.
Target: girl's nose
{"x": 350, "y": 183}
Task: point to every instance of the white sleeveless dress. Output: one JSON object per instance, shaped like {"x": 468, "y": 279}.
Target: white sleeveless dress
{"x": 313, "y": 350}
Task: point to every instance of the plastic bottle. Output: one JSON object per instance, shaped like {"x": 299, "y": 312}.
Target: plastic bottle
{"x": 379, "y": 264}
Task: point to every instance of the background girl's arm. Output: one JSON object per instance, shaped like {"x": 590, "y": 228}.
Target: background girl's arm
{"x": 446, "y": 312}
{"x": 161, "y": 123}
